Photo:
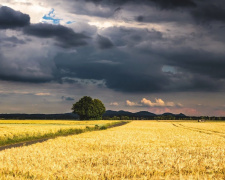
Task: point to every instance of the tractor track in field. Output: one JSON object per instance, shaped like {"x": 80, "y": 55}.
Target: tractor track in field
{"x": 204, "y": 131}
{"x": 28, "y": 143}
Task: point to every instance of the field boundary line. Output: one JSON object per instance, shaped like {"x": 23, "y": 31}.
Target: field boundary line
{"x": 205, "y": 131}
{"x": 28, "y": 143}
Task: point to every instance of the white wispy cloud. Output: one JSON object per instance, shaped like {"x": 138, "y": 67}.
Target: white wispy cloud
{"x": 42, "y": 94}
{"x": 114, "y": 104}
{"x": 158, "y": 102}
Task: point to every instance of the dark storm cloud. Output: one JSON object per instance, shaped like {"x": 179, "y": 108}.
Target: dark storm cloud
{"x": 120, "y": 77}
{"x": 179, "y": 11}
{"x": 136, "y": 82}
{"x": 141, "y": 63}
{"x": 131, "y": 37}
{"x": 140, "y": 18}
{"x": 157, "y": 16}
{"x": 192, "y": 69}
{"x": 23, "y": 77}
{"x": 174, "y": 3}
{"x": 104, "y": 42}
{"x": 197, "y": 62}
{"x": 18, "y": 77}
{"x": 64, "y": 36}
{"x": 10, "y": 18}
{"x": 184, "y": 81}
{"x": 209, "y": 12}
{"x": 161, "y": 3}
{"x": 114, "y": 8}
{"x": 10, "y": 73}
{"x": 201, "y": 11}
{"x": 127, "y": 76}
{"x": 26, "y": 69}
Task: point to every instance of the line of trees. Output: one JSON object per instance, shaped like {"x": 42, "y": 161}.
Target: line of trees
{"x": 161, "y": 117}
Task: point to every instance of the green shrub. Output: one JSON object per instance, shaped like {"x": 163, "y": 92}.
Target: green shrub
{"x": 103, "y": 128}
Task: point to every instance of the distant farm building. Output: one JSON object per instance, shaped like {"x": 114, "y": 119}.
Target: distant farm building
{"x": 201, "y": 120}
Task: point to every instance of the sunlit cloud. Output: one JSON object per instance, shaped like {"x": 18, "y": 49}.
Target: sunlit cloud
{"x": 158, "y": 102}
{"x": 130, "y": 103}
{"x": 148, "y": 103}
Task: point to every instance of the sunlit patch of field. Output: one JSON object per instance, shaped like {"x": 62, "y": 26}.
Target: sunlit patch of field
{"x": 59, "y": 122}
{"x": 138, "y": 150}
{"x": 12, "y": 131}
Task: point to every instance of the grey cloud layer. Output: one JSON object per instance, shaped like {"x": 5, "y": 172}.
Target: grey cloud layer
{"x": 65, "y": 37}
{"x": 126, "y": 59}
{"x": 104, "y": 42}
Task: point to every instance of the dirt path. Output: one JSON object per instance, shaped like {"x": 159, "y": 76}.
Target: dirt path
{"x": 116, "y": 125}
{"x": 27, "y": 143}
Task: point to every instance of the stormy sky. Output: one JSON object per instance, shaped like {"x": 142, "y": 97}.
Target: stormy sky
{"x": 150, "y": 55}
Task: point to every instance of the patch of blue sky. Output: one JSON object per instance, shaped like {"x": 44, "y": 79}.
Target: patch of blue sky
{"x": 70, "y": 22}
{"x": 51, "y": 18}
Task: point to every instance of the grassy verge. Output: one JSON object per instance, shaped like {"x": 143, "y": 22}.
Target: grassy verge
{"x": 60, "y": 132}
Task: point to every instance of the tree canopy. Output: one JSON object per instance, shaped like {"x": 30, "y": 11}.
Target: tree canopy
{"x": 88, "y": 108}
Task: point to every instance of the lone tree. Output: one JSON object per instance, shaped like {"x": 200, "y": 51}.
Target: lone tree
{"x": 88, "y": 108}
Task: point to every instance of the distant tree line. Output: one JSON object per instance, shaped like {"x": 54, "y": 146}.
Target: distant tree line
{"x": 72, "y": 116}
{"x": 67, "y": 116}
{"x": 159, "y": 117}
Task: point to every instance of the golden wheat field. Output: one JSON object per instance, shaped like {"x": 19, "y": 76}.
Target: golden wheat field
{"x": 16, "y": 131}
{"x": 138, "y": 150}
{"x": 56, "y": 122}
